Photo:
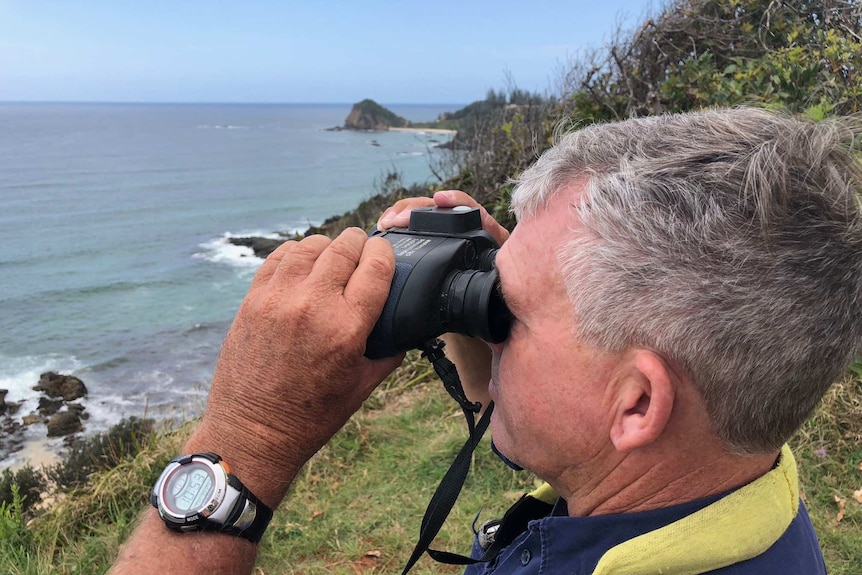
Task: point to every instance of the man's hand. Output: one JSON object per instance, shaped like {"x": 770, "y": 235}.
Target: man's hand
{"x": 398, "y": 215}
{"x": 292, "y": 370}
{"x": 290, "y": 374}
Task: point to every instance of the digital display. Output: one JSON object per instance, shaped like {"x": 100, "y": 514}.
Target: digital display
{"x": 190, "y": 487}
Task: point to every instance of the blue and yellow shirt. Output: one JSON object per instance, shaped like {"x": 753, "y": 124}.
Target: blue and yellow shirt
{"x": 761, "y": 528}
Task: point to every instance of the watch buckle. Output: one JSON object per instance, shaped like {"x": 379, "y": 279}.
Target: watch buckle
{"x": 246, "y": 518}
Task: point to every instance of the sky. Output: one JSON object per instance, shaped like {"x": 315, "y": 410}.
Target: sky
{"x": 291, "y": 51}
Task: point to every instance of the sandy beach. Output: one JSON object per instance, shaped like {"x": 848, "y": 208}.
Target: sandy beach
{"x": 35, "y": 453}
{"x": 425, "y": 130}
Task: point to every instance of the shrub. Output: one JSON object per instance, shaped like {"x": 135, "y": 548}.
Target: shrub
{"x": 28, "y": 482}
{"x": 16, "y": 540}
{"x": 100, "y": 452}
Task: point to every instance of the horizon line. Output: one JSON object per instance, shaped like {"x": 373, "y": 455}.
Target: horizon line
{"x": 222, "y": 103}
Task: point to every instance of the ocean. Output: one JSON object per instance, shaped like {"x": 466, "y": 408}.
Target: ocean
{"x": 114, "y": 260}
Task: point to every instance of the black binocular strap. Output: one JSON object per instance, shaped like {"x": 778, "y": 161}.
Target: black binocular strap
{"x": 450, "y": 486}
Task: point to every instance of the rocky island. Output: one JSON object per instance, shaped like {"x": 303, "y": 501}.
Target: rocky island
{"x": 369, "y": 115}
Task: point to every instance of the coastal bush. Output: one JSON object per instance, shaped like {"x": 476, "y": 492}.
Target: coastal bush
{"x": 390, "y": 188}
{"x": 803, "y": 57}
{"x": 700, "y": 53}
{"x": 101, "y": 452}
{"x": 15, "y": 539}
{"x": 27, "y": 482}
{"x": 503, "y": 136}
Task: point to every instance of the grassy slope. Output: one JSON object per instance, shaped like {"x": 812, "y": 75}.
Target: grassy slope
{"x": 358, "y": 505}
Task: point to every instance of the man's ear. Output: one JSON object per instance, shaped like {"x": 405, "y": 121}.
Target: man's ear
{"x": 644, "y": 402}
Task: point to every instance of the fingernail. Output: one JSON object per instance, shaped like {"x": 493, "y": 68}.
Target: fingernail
{"x": 385, "y": 221}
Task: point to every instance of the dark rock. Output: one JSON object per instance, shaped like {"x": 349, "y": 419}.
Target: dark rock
{"x": 10, "y": 426}
{"x": 79, "y": 409}
{"x": 64, "y": 423}
{"x": 49, "y": 406}
{"x": 33, "y": 418}
{"x": 11, "y": 437}
{"x": 262, "y": 247}
{"x": 54, "y": 384}
{"x": 8, "y": 407}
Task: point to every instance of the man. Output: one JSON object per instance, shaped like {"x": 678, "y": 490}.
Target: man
{"x": 684, "y": 290}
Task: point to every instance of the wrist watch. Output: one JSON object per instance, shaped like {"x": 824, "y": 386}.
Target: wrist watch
{"x": 198, "y": 493}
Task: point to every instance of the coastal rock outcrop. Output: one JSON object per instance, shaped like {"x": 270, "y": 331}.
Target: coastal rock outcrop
{"x": 369, "y": 115}
{"x": 262, "y": 247}
{"x": 68, "y": 387}
{"x": 65, "y": 423}
{"x": 55, "y": 409}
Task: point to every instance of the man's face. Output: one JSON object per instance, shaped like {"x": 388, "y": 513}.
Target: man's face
{"x": 549, "y": 387}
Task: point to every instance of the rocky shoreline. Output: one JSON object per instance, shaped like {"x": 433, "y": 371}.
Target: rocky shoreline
{"x": 58, "y": 408}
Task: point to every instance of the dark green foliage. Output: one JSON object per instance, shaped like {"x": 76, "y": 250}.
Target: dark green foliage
{"x": 801, "y": 56}
{"x": 497, "y": 138}
{"x": 101, "y": 452}
{"x": 16, "y": 541}
{"x": 699, "y": 53}
{"x": 30, "y": 484}
{"x": 498, "y": 107}
{"x": 390, "y": 190}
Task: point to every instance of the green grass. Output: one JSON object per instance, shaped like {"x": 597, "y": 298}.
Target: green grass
{"x": 357, "y": 505}
{"x": 828, "y": 449}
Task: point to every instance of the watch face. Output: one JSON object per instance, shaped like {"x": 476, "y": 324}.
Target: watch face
{"x": 189, "y": 488}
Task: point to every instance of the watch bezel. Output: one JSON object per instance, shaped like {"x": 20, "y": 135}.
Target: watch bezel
{"x": 198, "y": 517}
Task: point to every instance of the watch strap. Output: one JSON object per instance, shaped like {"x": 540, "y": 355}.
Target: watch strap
{"x": 249, "y": 517}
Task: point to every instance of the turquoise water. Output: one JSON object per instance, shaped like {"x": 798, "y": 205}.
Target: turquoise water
{"x": 114, "y": 264}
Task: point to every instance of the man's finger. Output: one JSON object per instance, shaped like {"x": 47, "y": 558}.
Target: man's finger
{"x": 270, "y": 264}
{"x": 298, "y": 260}
{"x": 336, "y": 264}
{"x": 368, "y": 287}
{"x": 452, "y": 198}
{"x": 398, "y": 215}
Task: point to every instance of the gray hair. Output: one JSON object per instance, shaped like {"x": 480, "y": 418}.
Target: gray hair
{"x": 729, "y": 241}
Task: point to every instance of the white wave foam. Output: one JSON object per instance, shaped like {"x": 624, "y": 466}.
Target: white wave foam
{"x": 152, "y": 394}
{"x": 222, "y": 251}
{"x": 220, "y": 127}
{"x": 18, "y": 375}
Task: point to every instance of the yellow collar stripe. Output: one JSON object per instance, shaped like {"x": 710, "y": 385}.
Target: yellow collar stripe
{"x": 737, "y": 527}
{"x": 545, "y": 493}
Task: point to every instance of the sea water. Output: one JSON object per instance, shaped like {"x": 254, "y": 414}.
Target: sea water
{"x": 114, "y": 260}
